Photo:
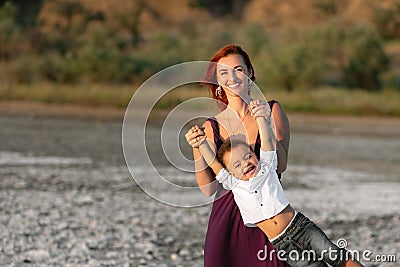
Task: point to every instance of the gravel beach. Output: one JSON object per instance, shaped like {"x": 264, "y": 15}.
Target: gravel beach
{"x": 68, "y": 199}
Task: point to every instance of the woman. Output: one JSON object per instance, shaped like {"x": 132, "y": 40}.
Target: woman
{"x": 228, "y": 241}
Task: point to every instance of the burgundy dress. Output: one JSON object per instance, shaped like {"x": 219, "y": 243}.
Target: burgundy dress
{"x": 229, "y": 243}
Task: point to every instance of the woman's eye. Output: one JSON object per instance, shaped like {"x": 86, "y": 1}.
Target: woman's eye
{"x": 248, "y": 156}
{"x": 236, "y": 166}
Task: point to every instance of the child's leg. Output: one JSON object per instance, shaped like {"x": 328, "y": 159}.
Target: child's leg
{"x": 289, "y": 249}
{"x": 314, "y": 239}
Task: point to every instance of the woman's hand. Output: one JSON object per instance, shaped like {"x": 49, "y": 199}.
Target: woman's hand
{"x": 259, "y": 108}
{"x": 195, "y": 136}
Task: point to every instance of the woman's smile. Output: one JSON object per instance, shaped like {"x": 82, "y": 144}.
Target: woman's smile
{"x": 234, "y": 85}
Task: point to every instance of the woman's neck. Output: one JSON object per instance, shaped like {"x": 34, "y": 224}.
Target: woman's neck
{"x": 238, "y": 106}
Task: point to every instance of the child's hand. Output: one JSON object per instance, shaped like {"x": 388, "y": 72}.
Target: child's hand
{"x": 195, "y": 136}
{"x": 259, "y": 108}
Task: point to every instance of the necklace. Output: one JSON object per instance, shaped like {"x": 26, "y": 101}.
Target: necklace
{"x": 240, "y": 123}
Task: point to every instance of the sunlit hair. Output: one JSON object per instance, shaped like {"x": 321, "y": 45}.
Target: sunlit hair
{"x": 227, "y": 146}
{"x": 210, "y": 77}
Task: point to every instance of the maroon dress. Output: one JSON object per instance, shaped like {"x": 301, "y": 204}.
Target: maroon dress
{"x": 229, "y": 243}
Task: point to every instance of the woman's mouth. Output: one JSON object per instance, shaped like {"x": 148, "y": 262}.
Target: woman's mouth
{"x": 234, "y": 85}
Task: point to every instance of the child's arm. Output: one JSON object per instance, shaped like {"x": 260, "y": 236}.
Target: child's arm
{"x": 262, "y": 113}
{"x": 267, "y": 136}
{"x": 209, "y": 156}
{"x": 200, "y": 142}
{"x": 227, "y": 180}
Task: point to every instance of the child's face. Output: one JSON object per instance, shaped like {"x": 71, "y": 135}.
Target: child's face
{"x": 241, "y": 162}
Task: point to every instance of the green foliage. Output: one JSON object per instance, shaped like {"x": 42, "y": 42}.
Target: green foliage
{"x": 391, "y": 80}
{"x": 254, "y": 38}
{"x": 107, "y": 64}
{"x": 293, "y": 66}
{"x": 23, "y": 70}
{"x": 60, "y": 69}
{"x": 293, "y": 61}
{"x": 10, "y": 36}
{"x": 8, "y": 11}
{"x": 74, "y": 44}
{"x": 354, "y": 56}
{"x": 367, "y": 60}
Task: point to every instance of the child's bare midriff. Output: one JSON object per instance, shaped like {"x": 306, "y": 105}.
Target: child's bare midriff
{"x": 274, "y": 226}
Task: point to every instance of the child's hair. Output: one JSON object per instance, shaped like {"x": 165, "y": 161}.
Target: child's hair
{"x": 227, "y": 147}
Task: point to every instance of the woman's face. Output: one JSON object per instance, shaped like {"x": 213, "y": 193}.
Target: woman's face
{"x": 233, "y": 74}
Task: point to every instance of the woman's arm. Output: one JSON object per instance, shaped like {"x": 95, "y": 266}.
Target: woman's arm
{"x": 282, "y": 126}
{"x": 204, "y": 175}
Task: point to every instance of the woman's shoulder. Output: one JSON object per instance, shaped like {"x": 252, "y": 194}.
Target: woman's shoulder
{"x": 272, "y": 103}
{"x": 214, "y": 121}
{"x": 220, "y": 115}
{"x": 276, "y": 108}
{"x": 211, "y": 125}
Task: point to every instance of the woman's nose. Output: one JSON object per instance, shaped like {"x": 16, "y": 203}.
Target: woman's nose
{"x": 232, "y": 76}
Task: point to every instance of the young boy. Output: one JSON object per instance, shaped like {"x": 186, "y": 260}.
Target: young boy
{"x": 261, "y": 200}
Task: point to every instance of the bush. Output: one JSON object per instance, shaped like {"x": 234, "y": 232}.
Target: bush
{"x": 108, "y": 64}
{"x": 254, "y": 39}
{"x": 10, "y": 35}
{"x": 60, "y": 69}
{"x": 367, "y": 60}
{"x": 293, "y": 61}
{"x": 23, "y": 70}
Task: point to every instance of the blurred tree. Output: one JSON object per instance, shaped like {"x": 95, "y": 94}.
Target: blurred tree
{"x": 67, "y": 10}
{"x": 222, "y": 7}
{"x": 367, "y": 60}
{"x": 131, "y": 21}
{"x": 62, "y": 23}
{"x": 327, "y": 7}
{"x": 129, "y": 17}
{"x": 27, "y": 11}
{"x": 10, "y": 32}
{"x": 387, "y": 21}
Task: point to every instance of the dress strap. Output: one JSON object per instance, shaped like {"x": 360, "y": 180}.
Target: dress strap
{"x": 218, "y": 142}
{"x": 215, "y": 127}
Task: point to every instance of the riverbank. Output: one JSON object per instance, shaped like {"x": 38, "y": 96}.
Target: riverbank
{"x": 300, "y": 121}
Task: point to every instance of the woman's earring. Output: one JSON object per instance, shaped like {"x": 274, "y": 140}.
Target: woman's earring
{"x": 218, "y": 91}
{"x": 249, "y": 82}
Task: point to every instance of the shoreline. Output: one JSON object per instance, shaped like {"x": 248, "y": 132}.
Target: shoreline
{"x": 300, "y": 122}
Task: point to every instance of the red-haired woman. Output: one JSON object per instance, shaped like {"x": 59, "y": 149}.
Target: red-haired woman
{"x": 228, "y": 241}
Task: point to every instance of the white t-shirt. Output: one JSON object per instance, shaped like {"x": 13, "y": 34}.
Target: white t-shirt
{"x": 262, "y": 196}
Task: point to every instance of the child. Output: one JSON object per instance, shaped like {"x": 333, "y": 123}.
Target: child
{"x": 260, "y": 197}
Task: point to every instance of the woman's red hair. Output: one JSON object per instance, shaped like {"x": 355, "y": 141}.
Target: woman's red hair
{"x": 210, "y": 77}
